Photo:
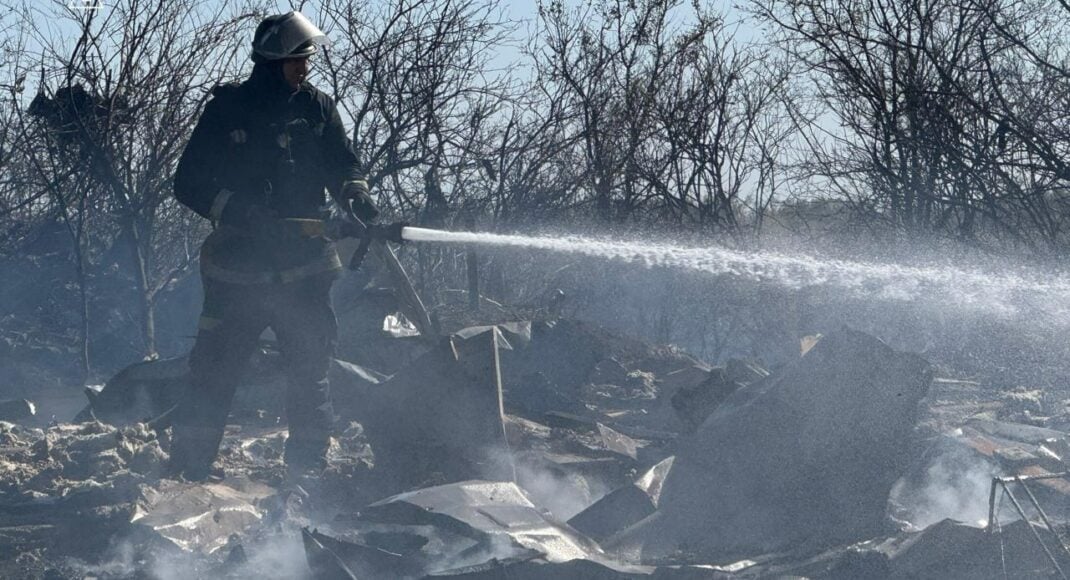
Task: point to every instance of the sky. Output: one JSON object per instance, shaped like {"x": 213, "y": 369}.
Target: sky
{"x": 523, "y": 13}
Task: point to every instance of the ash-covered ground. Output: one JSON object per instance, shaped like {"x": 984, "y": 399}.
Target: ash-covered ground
{"x": 554, "y": 448}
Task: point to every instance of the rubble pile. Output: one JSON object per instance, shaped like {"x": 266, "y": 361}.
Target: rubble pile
{"x": 66, "y": 460}
{"x": 808, "y": 454}
{"x": 447, "y": 529}
{"x": 68, "y": 489}
{"x": 441, "y": 418}
{"x": 555, "y": 449}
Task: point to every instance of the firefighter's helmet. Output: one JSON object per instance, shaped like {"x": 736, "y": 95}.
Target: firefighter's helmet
{"x": 289, "y": 35}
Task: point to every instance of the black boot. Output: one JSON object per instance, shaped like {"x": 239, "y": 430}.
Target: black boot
{"x": 193, "y": 450}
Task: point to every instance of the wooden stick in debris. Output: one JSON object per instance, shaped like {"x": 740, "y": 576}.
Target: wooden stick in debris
{"x": 411, "y": 305}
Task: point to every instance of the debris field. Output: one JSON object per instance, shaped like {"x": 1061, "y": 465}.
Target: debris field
{"x": 555, "y": 449}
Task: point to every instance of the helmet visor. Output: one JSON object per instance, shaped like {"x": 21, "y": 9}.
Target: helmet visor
{"x": 286, "y": 35}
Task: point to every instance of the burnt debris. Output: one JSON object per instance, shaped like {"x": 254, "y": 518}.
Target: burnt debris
{"x": 553, "y": 449}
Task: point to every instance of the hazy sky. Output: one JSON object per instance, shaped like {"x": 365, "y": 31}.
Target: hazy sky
{"x": 523, "y": 13}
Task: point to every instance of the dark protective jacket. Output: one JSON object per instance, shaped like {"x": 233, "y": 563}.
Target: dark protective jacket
{"x": 259, "y": 142}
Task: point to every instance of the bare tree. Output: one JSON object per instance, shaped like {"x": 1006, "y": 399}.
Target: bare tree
{"x": 412, "y": 77}
{"x": 931, "y": 121}
{"x": 666, "y": 108}
{"x": 110, "y": 119}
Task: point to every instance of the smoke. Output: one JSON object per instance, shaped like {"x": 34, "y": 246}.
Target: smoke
{"x": 279, "y": 556}
{"x": 276, "y": 557}
{"x": 564, "y": 494}
{"x": 955, "y": 485}
{"x": 121, "y": 561}
{"x": 498, "y": 547}
{"x": 172, "y": 566}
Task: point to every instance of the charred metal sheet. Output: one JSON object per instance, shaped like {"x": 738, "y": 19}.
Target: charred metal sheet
{"x": 358, "y": 372}
{"x": 694, "y": 403}
{"x": 442, "y": 416}
{"x": 652, "y": 481}
{"x": 618, "y": 442}
{"x": 563, "y": 357}
{"x": 330, "y": 557}
{"x": 744, "y": 371}
{"x": 683, "y": 378}
{"x": 810, "y": 452}
{"x": 324, "y": 562}
{"x": 469, "y": 525}
{"x": 625, "y": 506}
{"x": 576, "y": 421}
{"x": 956, "y": 551}
{"x": 1014, "y": 431}
{"x": 17, "y": 410}
{"x": 613, "y": 513}
{"x": 140, "y": 392}
{"x": 201, "y": 517}
{"x": 541, "y": 569}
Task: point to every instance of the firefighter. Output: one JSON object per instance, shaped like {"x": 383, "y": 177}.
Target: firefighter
{"x": 258, "y": 165}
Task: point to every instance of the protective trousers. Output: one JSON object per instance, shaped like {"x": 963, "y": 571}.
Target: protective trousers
{"x": 233, "y": 317}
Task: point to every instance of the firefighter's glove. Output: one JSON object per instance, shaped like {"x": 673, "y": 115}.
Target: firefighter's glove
{"x": 355, "y": 193}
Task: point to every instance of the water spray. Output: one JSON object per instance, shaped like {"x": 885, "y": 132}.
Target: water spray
{"x": 998, "y": 292}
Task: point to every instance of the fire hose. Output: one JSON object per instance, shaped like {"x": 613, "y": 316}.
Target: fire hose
{"x": 373, "y": 237}
{"x": 353, "y": 227}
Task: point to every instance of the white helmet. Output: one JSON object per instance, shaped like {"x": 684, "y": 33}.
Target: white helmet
{"x": 287, "y": 35}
